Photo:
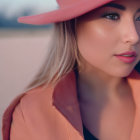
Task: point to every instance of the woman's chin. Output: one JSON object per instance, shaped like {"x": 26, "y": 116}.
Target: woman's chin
{"x": 123, "y": 73}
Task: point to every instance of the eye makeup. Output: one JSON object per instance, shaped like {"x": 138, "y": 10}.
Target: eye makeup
{"x": 112, "y": 16}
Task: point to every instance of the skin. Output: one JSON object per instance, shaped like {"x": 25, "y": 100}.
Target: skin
{"x": 104, "y": 95}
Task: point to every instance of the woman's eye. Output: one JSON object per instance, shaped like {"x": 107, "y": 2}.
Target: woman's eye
{"x": 138, "y": 19}
{"x": 112, "y": 16}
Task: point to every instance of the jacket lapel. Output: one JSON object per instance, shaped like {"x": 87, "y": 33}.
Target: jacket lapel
{"x": 66, "y": 101}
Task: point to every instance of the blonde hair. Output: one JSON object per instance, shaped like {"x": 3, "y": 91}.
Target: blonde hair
{"x": 62, "y": 56}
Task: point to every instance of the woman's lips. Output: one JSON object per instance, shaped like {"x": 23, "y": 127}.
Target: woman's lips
{"x": 132, "y": 53}
{"x": 127, "y": 57}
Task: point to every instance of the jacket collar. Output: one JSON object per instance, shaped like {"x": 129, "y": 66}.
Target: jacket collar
{"x": 66, "y": 101}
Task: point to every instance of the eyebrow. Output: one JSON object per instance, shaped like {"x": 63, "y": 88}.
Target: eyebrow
{"x": 118, "y": 6}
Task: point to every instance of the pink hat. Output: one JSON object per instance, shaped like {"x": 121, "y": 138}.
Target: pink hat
{"x": 68, "y": 9}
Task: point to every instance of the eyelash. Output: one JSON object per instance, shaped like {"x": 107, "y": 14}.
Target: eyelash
{"x": 112, "y": 15}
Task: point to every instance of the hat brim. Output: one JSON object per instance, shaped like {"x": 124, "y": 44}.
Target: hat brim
{"x": 63, "y": 14}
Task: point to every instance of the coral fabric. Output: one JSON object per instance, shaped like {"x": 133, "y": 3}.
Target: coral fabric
{"x": 53, "y": 113}
{"x": 67, "y": 10}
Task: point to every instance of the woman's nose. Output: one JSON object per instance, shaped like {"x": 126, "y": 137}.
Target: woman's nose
{"x": 132, "y": 34}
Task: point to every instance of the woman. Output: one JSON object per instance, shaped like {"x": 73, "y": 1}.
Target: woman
{"x": 88, "y": 88}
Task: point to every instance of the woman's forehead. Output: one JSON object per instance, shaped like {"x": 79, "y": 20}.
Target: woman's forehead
{"x": 123, "y": 5}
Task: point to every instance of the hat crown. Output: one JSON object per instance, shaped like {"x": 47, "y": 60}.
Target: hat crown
{"x": 63, "y": 3}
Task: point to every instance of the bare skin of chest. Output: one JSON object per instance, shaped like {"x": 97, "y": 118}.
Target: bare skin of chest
{"x": 111, "y": 121}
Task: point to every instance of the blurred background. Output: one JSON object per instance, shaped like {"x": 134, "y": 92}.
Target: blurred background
{"x": 11, "y": 10}
{"x": 22, "y": 47}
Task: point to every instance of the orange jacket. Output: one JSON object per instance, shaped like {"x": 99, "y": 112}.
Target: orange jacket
{"x": 53, "y": 113}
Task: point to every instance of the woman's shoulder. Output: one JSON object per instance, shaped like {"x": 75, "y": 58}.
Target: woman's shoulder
{"x": 37, "y": 95}
{"x": 26, "y": 106}
{"x": 32, "y": 96}
{"x": 29, "y": 98}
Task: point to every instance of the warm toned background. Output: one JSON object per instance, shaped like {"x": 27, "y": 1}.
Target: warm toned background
{"x": 21, "y": 54}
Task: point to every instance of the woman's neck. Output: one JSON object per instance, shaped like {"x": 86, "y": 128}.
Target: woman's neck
{"x": 97, "y": 85}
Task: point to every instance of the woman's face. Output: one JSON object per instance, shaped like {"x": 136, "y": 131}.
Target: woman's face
{"x": 109, "y": 31}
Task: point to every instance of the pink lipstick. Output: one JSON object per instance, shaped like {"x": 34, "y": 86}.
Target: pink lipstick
{"x": 127, "y": 57}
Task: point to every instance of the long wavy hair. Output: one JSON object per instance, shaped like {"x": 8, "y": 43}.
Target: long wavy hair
{"x": 62, "y": 55}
